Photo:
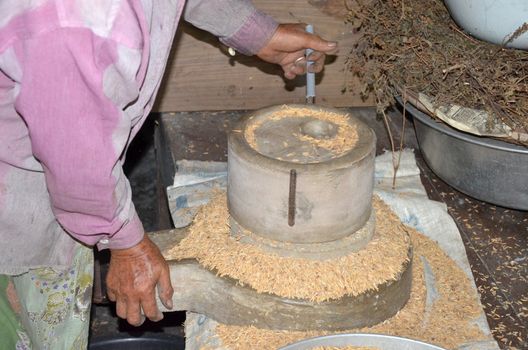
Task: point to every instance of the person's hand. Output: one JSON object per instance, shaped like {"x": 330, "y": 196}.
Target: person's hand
{"x": 132, "y": 278}
{"x": 287, "y": 47}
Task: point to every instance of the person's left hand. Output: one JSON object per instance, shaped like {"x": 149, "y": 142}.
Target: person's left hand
{"x": 287, "y": 47}
{"x": 132, "y": 278}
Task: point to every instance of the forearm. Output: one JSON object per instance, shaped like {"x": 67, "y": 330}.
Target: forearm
{"x": 237, "y": 23}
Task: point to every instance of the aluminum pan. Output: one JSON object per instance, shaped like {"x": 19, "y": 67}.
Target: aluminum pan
{"x": 489, "y": 170}
{"x": 482, "y": 141}
{"x": 380, "y": 341}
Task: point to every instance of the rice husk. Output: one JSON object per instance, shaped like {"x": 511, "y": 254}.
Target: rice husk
{"x": 448, "y": 322}
{"x": 382, "y": 260}
{"x": 345, "y": 139}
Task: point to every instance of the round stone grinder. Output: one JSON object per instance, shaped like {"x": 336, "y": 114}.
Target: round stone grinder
{"x": 300, "y": 180}
{"x": 300, "y": 183}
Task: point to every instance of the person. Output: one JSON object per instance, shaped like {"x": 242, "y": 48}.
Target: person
{"x": 77, "y": 80}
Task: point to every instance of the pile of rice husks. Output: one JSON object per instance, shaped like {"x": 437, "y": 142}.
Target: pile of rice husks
{"x": 447, "y": 320}
{"x": 411, "y": 47}
{"x": 382, "y": 260}
{"x": 345, "y": 139}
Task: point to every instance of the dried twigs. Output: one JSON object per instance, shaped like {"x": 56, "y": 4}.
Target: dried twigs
{"x": 417, "y": 46}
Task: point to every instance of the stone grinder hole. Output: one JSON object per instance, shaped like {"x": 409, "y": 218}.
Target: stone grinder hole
{"x": 319, "y": 129}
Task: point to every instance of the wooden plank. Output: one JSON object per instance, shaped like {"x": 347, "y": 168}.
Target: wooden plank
{"x": 202, "y": 76}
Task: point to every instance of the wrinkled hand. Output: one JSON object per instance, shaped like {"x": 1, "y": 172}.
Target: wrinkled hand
{"x": 287, "y": 47}
{"x": 132, "y": 277}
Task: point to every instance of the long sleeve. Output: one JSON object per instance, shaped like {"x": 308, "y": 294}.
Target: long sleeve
{"x": 74, "y": 87}
{"x": 237, "y": 23}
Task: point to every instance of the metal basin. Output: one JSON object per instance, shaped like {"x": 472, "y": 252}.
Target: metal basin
{"x": 145, "y": 342}
{"x": 382, "y": 342}
{"x": 490, "y": 170}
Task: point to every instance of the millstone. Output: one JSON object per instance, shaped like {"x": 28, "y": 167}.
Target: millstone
{"x": 300, "y": 183}
{"x": 301, "y": 179}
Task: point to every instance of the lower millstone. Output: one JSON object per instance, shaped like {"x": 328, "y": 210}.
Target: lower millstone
{"x": 315, "y": 251}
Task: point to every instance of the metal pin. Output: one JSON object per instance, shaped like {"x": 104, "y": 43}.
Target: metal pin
{"x": 310, "y": 76}
{"x": 291, "y": 198}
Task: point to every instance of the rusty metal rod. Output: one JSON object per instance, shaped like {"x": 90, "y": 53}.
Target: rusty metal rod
{"x": 291, "y": 198}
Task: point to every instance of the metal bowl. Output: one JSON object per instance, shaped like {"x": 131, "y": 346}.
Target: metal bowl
{"x": 490, "y": 170}
{"x": 146, "y": 342}
{"x": 379, "y": 341}
{"x": 491, "y": 20}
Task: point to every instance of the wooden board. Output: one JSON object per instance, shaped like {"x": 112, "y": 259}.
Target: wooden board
{"x": 202, "y": 76}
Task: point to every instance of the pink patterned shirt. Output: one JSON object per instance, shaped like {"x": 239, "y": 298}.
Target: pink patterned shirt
{"x": 77, "y": 80}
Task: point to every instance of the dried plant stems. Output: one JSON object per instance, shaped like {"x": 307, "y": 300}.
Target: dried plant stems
{"x": 416, "y": 46}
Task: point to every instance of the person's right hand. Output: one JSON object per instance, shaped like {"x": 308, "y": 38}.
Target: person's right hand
{"x": 132, "y": 278}
{"x": 287, "y": 47}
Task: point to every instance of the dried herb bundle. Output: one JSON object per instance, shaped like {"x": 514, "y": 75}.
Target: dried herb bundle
{"x": 415, "y": 46}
